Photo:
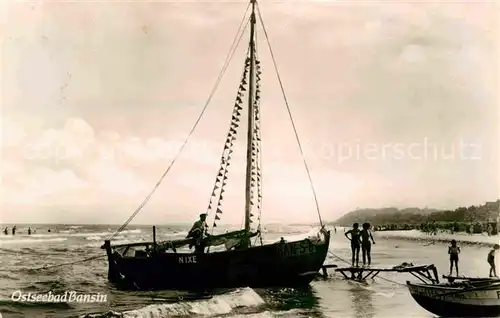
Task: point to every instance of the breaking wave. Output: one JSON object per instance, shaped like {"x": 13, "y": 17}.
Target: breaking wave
{"x": 233, "y": 302}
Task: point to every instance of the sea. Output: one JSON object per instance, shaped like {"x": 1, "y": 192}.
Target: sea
{"x": 23, "y": 257}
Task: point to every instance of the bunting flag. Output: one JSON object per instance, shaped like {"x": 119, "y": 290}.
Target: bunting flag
{"x": 255, "y": 180}
{"x": 221, "y": 177}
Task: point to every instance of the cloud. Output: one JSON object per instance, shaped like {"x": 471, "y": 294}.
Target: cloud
{"x": 101, "y": 105}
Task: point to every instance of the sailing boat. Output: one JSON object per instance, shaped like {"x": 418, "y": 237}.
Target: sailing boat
{"x": 159, "y": 265}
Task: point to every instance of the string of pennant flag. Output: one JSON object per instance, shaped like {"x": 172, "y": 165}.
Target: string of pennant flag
{"x": 217, "y": 197}
{"x": 256, "y": 179}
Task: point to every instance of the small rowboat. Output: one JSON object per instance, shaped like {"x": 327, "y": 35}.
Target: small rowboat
{"x": 460, "y": 297}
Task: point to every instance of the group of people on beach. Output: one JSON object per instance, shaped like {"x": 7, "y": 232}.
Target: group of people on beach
{"x": 363, "y": 239}
{"x": 360, "y": 239}
{"x": 454, "y": 250}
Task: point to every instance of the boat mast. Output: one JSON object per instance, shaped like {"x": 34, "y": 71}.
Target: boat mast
{"x": 251, "y": 95}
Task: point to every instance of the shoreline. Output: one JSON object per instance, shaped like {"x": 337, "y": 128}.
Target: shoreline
{"x": 416, "y": 235}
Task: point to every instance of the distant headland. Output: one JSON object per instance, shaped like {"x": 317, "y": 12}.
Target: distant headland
{"x": 463, "y": 219}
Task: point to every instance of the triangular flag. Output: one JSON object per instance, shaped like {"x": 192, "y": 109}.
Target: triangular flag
{"x": 214, "y": 225}
{"x": 238, "y": 99}
{"x": 221, "y": 198}
{"x": 251, "y": 214}
{"x": 219, "y": 211}
{"x": 217, "y": 217}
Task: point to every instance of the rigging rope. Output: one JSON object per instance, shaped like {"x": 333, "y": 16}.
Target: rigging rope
{"x": 70, "y": 263}
{"x": 290, "y": 114}
{"x": 229, "y": 56}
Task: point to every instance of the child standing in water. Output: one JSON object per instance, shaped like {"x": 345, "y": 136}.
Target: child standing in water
{"x": 355, "y": 243}
{"x": 453, "y": 250}
{"x": 366, "y": 246}
{"x": 491, "y": 260}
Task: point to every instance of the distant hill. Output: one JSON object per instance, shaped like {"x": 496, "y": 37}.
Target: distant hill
{"x": 385, "y": 216}
{"x": 482, "y": 213}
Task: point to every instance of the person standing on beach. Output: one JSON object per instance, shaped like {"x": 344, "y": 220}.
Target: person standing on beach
{"x": 491, "y": 260}
{"x": 366, "y": 245}
{"x": 453, "y": 251}
{"x": 355, "y": 243}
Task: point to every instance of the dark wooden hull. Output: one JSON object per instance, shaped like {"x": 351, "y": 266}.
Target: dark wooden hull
{"x": 273, "y": 265}
{"x": 477, "y": 303}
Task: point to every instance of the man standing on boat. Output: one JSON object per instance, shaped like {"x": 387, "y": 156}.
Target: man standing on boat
{"x": 197, "y": 232}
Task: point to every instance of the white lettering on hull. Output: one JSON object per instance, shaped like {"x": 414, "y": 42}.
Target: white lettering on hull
{"x": 187, "y": 259}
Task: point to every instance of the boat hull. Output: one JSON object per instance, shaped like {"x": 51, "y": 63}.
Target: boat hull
{"x": 446, "y": 301}
{"x": 282, "y": 264}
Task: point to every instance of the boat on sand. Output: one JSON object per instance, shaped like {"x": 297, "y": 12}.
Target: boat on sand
{"x": 459, "y": 297}
{"x": 244, "y": 262}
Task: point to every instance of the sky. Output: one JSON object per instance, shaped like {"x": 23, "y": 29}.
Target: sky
{"x": 395, "y": 104}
